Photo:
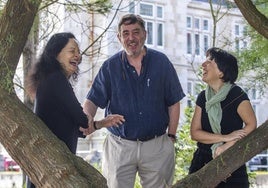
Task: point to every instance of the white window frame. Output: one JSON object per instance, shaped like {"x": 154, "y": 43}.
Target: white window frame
{"x": 204, "y": 47}
{"x": 237, "y": 44}
{"x": 245, "y": 44}
{"x": 203, "y": 25}
{"x": 150, "y": 34}
{"x": 237, "y": 30}
{"x": 189, "y": 43}
{"x": 190, "y": 22}
{"x": 146, "y": 16}
{"x": 199, "y": 23}
{"x": 132, "y": 7}
{"x": 155, "y": 20}
{"x": 156, "y": 12}
{"x": 157, "y": 34}
{"x": 197, "y": 46}
{"x": 190, "y": 89}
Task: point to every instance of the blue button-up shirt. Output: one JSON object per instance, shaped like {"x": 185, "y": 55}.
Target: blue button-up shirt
{"x": 142, "y": 99}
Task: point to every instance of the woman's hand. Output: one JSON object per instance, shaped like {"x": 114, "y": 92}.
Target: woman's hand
{"x": 220, "y": 149}
{"x": 86, "y": 131}
{"x": 229, "y": 140}
{"x": 235, "y": 135}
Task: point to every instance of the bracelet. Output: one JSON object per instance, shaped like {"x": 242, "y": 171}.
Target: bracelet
{"x": 94, "y": 125}
{"x": 172, "y": 136}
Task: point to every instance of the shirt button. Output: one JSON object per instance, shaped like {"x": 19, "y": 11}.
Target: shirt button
{"x": 140, "y": 113}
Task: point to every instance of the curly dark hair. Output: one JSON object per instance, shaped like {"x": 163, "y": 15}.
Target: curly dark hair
{"x": 131, "y": 19}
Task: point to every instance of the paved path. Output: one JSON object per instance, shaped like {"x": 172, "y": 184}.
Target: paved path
{"x": 14, "y": 180}
{"x": 10, "y": 180}
{"x": 261, "y": 181}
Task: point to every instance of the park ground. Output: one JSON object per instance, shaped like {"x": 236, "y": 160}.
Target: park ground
{"x": 14, "y": 180}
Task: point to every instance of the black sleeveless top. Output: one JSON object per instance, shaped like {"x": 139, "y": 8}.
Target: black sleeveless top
{"x": 230, "y": 122}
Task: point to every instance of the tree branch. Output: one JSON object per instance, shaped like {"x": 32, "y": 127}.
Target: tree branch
{"x": 228, "y": 161}
{"x": 255, "y": 18}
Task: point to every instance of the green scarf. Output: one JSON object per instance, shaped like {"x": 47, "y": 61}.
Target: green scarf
{"x": 213, "y": 108}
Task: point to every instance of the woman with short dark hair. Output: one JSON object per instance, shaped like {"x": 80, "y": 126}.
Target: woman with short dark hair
{"x": 223, "y": 115}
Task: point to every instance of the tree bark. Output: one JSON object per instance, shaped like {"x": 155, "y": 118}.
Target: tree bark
{"x": 220, "y": 168}
{"x": 45, "y": 159}
{"x": 255, "y": 18}
{"x": 15, "y": 23}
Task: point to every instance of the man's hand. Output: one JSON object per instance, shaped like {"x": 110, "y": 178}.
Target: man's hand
{"x": 111, "y": 120}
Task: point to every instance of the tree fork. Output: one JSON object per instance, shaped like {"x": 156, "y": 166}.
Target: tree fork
{"x": 43, "y": 157}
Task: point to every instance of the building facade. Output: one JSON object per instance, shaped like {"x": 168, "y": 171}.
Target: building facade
{"x": 183, "y": 30}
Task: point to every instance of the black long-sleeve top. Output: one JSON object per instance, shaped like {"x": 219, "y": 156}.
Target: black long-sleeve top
{"x": 58, "y": 107}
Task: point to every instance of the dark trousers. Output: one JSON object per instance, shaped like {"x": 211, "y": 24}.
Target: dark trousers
{"x": 29, "y": 184}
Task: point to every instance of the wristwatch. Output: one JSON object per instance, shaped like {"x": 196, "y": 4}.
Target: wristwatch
{"x": 172, "y": 136}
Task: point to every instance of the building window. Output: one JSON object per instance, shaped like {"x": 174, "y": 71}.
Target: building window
{"x": 205, "y": 43}
{"x": 245, "y": 31}
{"x": 190, "y": 93}
{"x": 237, "y": 45}
{"x": 197, "y": 23}
{"x": 149, "y": 28}
{"x": 254, "y": 94}
{"x": 160, "y": 34}
{"x": 237, "y": 32}
{"x": 189, "y": 103}
{"x": 245, "y": 44}
{"x": 254, "y": 108}
{"x": 132, "y": 7}
{"x": 146, "y": 9}
{"x": 154, "y": 22}
{"x": 190, "y": 88}
{"x": 159, "y": 11}
{"x": 197, "y": 44}
{"x": 189, "y": 22}
{"x": 198, "y": 38}
{"x": 205, "y": 25}
{"x": 189, "y": 43}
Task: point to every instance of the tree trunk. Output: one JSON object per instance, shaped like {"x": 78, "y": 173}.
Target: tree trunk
{"x": 220, "y": 168}
{"x": 44, "y": 158}
{"x": 255, "y": 18}
{"x": 39, "y": 152}
{"x": 15, "y": 23}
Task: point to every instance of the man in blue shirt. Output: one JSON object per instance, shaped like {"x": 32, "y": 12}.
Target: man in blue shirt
{"x": 142, "y": 85}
